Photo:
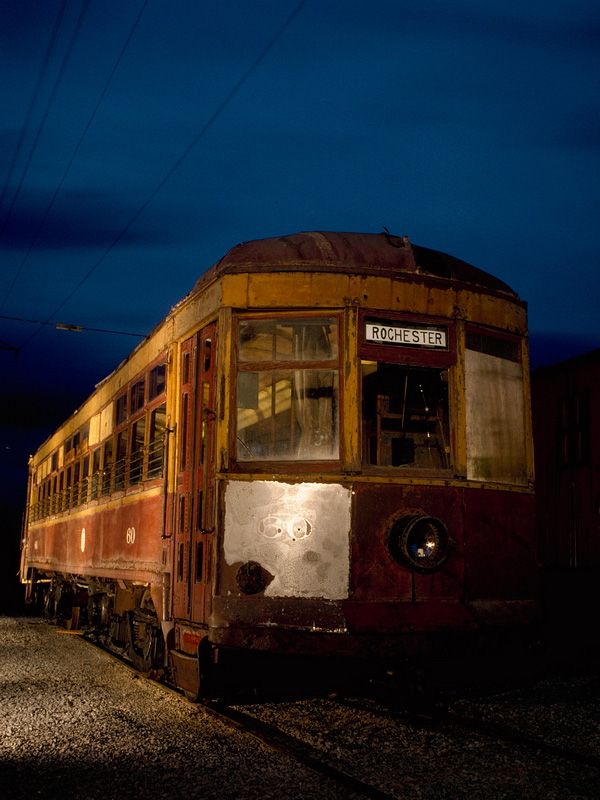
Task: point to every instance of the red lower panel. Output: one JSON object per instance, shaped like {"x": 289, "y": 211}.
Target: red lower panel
{"x": 121, "y": 540}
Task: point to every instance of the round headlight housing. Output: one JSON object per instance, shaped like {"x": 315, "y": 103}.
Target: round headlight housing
{"x": 420, "y": 542}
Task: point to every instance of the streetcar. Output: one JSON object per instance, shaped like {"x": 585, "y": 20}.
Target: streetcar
{"x": 324, "y": 449}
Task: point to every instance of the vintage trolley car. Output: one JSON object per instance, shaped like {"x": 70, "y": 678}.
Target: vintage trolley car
{"x": 325, "y": 448}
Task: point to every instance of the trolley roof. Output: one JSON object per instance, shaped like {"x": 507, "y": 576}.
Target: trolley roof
{"x": 361, "y": 253}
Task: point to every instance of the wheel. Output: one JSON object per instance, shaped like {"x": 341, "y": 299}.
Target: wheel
{"x": 145, "y": 646}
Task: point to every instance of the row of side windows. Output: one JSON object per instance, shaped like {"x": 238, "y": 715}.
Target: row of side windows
{"x": 130, "y": 402}
{"x": 145, "y": 390}
{"x": 126, "y": 459}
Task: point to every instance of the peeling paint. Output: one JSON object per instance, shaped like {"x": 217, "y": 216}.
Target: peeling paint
{"x": 299, "y": 533}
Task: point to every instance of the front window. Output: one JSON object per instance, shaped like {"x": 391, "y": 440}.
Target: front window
{"x": 287, "y": 390}
{"x": 495, "y": 407}
{"x": 405, "y": 416}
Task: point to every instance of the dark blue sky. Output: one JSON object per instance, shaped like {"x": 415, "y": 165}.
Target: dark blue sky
{"x": 141, "y": 140}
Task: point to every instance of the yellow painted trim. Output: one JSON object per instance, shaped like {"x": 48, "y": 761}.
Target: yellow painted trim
{"x": 350, "y": 376}
{"x": 327, "y": 477}
{"x": 301, "y": 289}
{"x": 235, "y": 290}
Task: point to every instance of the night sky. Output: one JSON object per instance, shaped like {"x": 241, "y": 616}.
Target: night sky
{"x": 139, "y": 141}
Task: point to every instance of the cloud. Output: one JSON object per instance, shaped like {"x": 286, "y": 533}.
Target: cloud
{"x": 84, "y": 218}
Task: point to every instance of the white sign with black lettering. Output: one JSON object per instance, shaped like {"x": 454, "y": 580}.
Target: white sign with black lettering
{"x": 406, "y": 335}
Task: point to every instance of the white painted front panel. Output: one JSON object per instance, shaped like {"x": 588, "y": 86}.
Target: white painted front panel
{"x": 299, "y": 533}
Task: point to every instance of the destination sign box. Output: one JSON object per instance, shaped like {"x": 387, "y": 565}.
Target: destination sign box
{"x": 405, "y": 335}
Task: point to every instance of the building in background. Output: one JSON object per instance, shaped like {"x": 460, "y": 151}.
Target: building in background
{"x": 566, "y": 420}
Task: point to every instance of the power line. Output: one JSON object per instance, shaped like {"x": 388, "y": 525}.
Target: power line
{"x": 67, "y": 326}
{"x": 8, "y": 346}
{"x": 181, "y": 158}
{"x": 33, "y": 100}
{"x": 41, "y": 223}
{"x": 46, "y": 113}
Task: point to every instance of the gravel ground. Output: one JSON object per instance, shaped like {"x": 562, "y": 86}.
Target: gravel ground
{"x": 409, "y": 760}
{"x": 75, "y": 723}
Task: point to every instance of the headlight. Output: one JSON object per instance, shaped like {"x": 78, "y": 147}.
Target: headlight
{"x": 419, "y": 542}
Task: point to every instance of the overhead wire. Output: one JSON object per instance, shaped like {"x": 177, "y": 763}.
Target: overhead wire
{"x": 181, "y": 158}
{"x": 33, "y": 100}
{"x": 67, "y": 326}
{"x": 75, "y": 153}
{"x": 45, "y": 115}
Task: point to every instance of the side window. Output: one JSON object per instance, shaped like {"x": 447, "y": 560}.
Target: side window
{"x": 136, "y": 457}
{"x": 68, "y": 488}
{"x": 107, "y": 466}
{"x": 158, "y": 425}
{"x": 96, "y": 474}
{"x": 157, "y": 383}
{"x": 121, "y": 460}
{"x": 137, "y": 396}
{"x": 76, "y": 484}
{"x": 85, "y": 475}
{"x": 121, "y": 409}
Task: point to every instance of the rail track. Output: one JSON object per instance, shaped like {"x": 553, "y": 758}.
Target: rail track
{"x": 291, "y": 746}
{"x": 445, "y": 721}
{"x": 243, "y": 714}
{"x": 269, "y": 734}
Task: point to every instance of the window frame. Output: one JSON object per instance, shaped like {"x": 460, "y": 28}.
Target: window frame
{"x": 137, "y": 398}
{"x": 152, "y": 470}
{"x": 410, "y": 357}
{"x": 292, "y": 465}
{"x": 153, "y": 391}
{"x": 121, "y": 408}
{"x": 492, "y": 335}
{"x": 493, "y": 342}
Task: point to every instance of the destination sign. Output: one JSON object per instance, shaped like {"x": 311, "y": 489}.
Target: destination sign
{"x": 406, "y": 335}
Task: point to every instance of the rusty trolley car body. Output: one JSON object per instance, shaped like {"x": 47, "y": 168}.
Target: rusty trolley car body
{"x": 324, "y": 448}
